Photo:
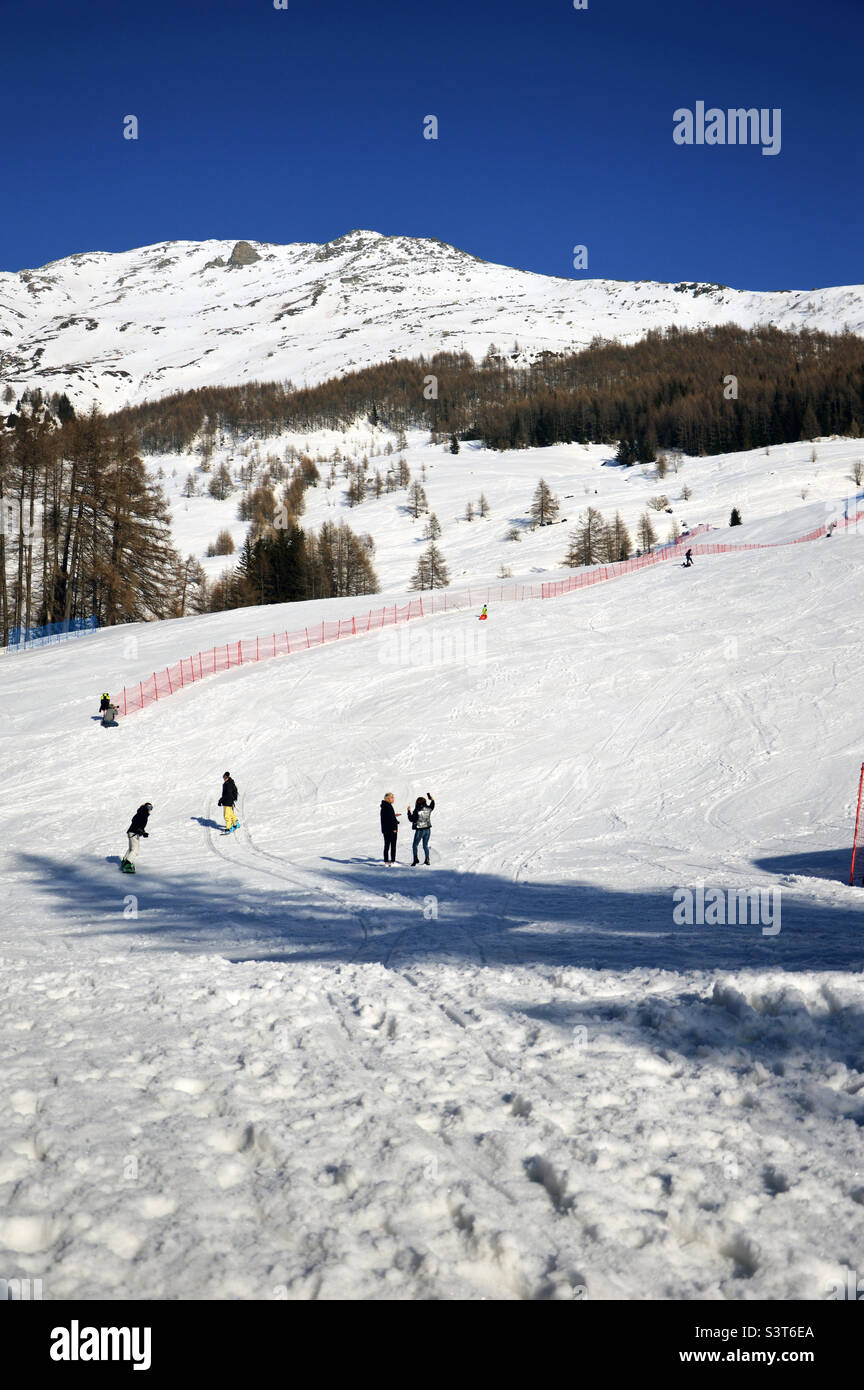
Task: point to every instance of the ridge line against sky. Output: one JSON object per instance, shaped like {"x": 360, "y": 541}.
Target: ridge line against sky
{"x": 554, "y": 130}
{"x": 226, "y": 243}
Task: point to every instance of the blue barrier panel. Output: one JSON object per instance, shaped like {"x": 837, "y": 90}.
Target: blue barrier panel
{"x": 44, "y": 633}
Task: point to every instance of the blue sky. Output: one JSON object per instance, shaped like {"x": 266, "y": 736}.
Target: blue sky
{"x": 555, "y": 129}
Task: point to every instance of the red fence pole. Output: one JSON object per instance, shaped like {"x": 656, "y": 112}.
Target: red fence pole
{"x": 857, "y": 819}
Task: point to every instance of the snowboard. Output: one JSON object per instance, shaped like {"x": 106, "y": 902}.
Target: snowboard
{"x": 126, "y": 867}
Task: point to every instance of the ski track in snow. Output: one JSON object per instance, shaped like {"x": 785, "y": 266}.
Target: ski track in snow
{"x": 297, "y": 1074}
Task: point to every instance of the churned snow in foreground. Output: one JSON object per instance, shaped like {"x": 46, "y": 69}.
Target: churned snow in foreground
{"x": 269, "y": 1067}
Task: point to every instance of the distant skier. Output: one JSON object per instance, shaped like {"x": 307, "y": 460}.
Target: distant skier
{"x": 228, "y": 801}
{"x": 389, "y": 827}
{"x": 135, "y": 834}
{"x": 105, "y": 702}
{"x": 688, "y": 559}
{"x": 485, "y": 614}
{"x": 420, "y": 818}
{"x": 109, "y": 716}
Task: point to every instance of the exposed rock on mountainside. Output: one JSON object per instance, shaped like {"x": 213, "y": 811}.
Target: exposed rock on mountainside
{"x": 119, "y": 328}
{"x": 243, "y": 254}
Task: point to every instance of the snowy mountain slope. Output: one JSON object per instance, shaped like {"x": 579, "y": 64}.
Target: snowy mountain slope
{"x": 784, "y": 480}
{"x": 119, "y": 328}
{"x": 280, "y": 1070}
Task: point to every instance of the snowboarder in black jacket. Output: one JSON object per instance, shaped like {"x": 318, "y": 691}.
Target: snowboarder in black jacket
{"x": 135, "y": 834}
{"x": 228, "y": 800}
{"x": 389, "y": 827}
{"x": 105, "y": 702}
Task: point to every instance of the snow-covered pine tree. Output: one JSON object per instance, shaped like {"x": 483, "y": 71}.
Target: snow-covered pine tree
{"x": 431, "y": 571}
{"x": 417, "y": 500}
{"x": 221, "y": 484}
{"x": 645, "y": 533}
{"x": 544, "y": 505}
{"x": 589, "y": 541}
{"x": 192, "y": 588}
{"x": 618, "y": 543}
{"x": 343, "y": 561}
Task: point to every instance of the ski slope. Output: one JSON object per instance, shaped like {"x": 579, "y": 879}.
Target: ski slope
{"x": 267, "y": 1067}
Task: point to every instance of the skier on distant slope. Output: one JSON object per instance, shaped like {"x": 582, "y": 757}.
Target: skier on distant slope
{"x": 105, "y": 702}
{"x": 389, "y": 827}
{"x": 485, "y": 614}
{"x": 228, "y": 800}
{"x": 688, "y": 559}
{"x": 421, "y": 818}
{"x": 136, "y": 833}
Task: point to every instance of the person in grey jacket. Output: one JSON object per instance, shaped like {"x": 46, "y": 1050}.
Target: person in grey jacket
{"x": 421, "y": 818}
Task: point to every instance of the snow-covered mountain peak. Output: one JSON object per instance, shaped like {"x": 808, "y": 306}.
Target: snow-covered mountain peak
{"x": 121, "y": 327}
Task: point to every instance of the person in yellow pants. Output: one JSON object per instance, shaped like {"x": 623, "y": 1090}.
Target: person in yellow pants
{"x": 228, "y": 801}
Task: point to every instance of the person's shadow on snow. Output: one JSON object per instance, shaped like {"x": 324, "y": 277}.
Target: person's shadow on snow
{"x": 357, "y": 859}
{"x": 208, "y": 824}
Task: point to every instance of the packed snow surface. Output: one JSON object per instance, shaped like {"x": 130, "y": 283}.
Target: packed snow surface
{"x": 266, "y": 1066}
{"x": 123, "y": 327}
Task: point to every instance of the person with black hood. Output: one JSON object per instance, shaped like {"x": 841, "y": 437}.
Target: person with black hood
{"x": 105, "y": 702}
{"x": 228, "y": 800}
{"x": 421, "y": 819}
{"x": 389, "y": 827}
{"x": 135, "y": 834}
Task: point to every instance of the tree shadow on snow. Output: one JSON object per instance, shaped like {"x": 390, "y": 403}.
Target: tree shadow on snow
{"x": 365, "y": 913}
{"x": 832, "y": 864}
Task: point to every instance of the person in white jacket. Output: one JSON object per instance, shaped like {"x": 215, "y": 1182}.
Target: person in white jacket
{"x": 421, "y": 818}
